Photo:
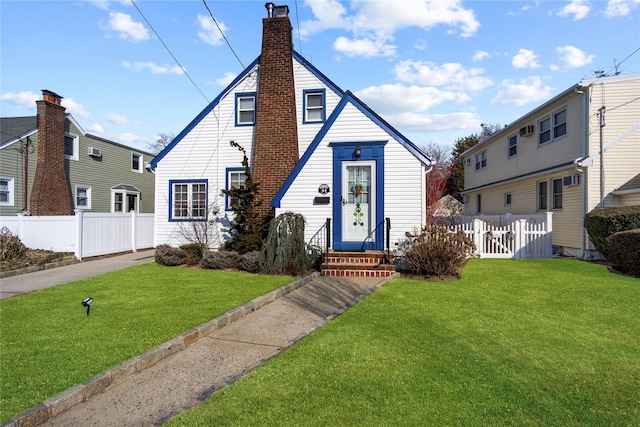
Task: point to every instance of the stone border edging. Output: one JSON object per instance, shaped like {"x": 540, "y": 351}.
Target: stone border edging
{"x": 38, "y": 267}
{"x": 64, "y": 401}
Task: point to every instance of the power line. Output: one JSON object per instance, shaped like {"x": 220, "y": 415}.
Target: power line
{"x": 298, "y": 27}
{"x": 221, "y": 32}
{"x": 615, "y": 67}
{"x": 169, "y": 50}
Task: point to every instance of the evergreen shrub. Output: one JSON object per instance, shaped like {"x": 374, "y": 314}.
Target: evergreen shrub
{"x": 194, "y": 253}
{"x": 168, "y": 255}
{"x": 602, "y": 223}
{"x": 624, "y": 251}
{"x": 251, "y": 262}
{"x": 221, "y": 260}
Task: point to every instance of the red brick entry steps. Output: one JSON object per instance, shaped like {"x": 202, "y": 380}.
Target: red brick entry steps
{"x": 357, "y": 264}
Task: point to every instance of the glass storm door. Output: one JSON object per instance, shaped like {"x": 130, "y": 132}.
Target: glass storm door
{"x": 358, "y": 200}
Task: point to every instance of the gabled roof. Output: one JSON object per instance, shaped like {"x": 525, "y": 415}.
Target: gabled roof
{"x": 13, "y": 129}
{"x": 630, "y": 187}
{"x": 324, "y": 79}
{"x": 347, "y": 98}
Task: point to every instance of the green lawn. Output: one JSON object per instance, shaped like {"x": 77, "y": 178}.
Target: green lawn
{"x": 48, "y": 344}
{"x": 513, "y": 343}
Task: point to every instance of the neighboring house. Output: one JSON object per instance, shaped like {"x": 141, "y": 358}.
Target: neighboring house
{"x": 50, "y": 166}
{"x": 313, "y": 148}
{"x": 550, "y": 160}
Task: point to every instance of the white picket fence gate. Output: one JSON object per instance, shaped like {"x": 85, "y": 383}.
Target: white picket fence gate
{"x": 86, "y": 234}
{"x": 510, "y": 236}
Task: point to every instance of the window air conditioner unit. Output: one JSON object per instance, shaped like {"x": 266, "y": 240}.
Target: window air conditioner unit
{"x": 467, "y": 161}
{"x": 570, "y": 180}
{"x": 95, "y": 152}
{"x": 528, "y": 130}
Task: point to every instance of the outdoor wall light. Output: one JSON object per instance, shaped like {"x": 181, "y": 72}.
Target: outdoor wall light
{"x": 87, "y": 303}
{"x": 358, "y": 151}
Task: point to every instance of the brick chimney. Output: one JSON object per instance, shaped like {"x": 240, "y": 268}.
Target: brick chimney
{"x": 50, "y": 194}
{"x": 275, "y": 145}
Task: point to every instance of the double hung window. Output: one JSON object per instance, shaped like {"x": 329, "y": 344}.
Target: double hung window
{"x": 245, "y": 109}
{"x": 553, "y": 127}
{"x": 188, "y": 200}
{"x": 235, "y": 179}
{"x": 314, "y": 106}
{"x": 83, "y": 197}
{"x": 557, "y": 193}
{"x": 136, "y": 162}
{"x": 513, "y": 145}
{"x": 6, "y": 191}
{"x": 542, "y": 196}
{"x": 71, "y": 147}
{"x": 481, "y": 160}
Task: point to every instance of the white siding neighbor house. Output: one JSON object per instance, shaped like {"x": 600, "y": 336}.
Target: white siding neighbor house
{"x": 576, "y": 152}
{"x": 314, "y": 149}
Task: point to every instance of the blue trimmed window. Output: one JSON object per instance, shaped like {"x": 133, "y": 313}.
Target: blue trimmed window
{"x": 188, "y": 200}
{"x": 235, "y": 178}
{"x": 314, "y": 106}
{"x": 245, "y": 109}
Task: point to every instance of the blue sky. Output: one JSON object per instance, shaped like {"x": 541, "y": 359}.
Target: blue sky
{"x": 433, "y": 69}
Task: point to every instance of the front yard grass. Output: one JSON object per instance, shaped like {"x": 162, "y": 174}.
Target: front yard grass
{"x": 513, "y": 343}
{"x": 48, "y": 344}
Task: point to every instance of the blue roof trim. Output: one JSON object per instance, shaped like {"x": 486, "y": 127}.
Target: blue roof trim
{"x": 347, "y": 98}
{"x": 203, "y": 113}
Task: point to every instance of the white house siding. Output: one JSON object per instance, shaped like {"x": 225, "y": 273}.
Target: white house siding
{"x": 622, "y": 161}
{"x": 204, "y": 153}
{"x": 305, "y": 80}
{"x": 404, "y": 199}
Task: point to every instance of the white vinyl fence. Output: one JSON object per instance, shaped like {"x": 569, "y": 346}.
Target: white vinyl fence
{"x": 86, "y": 234}
{"x": 510, "y": 236}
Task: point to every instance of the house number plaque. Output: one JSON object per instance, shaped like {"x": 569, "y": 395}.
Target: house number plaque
{"x": 323, "y": 189}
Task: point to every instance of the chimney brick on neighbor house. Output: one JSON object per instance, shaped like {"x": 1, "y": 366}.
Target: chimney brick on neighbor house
{"x": 275, "y": 145}
{"x": 50, "y": 193}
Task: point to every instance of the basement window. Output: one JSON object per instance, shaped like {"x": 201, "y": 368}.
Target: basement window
{"x": 245, "y": 109}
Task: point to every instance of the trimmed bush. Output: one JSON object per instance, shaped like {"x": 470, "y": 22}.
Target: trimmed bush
{"x": 194, "y": 253}
{"x": 438, "y": 251}
{"x": 11, "y": 247}
{"x": 167, "y": 255}
{"x": 220, "y": 260}
{"x": 602, "y": 223}
{"x": 624, "y": 251}
{"x": 251, "y": 262}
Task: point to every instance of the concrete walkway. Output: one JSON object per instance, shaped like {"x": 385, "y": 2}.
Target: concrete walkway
{"x": 183, "y": 372}
{"x": 25, "y": 283}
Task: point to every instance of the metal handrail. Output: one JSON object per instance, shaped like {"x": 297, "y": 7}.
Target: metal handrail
{"x": 322, "y": 238}
{"x": 385, "y": 235}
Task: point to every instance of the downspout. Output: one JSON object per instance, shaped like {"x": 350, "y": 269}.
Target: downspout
{"x": 579, "y": 169}
{"x": 425, "y": 185}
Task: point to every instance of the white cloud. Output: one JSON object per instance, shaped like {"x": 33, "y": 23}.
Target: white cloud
{"x": 155, "y": 69}
{"x": 579, "y": 9}
{"x": 209, "y": 32}
{"x": 126, "y": 27}
{"x": 105, "y": 4}
{"x": 523, "y": 92}
{"x": 449, "y": 75}
{"x": 96, "y": 128}
{"x": 366, "y": 48}
{"x": 574, "y": 57}
{"x": 415, "y": 122}
{"x": 373, "y": 23}
{"x": 620, "y": 7}
{"x": 525, "y": 59}
{"x": 26, "y": 99}
{"x": 117, "y": 119}
{"x": 76, "y": 109}
{"x": 226, "y": 80}
{"x": 480, "y": 55}
{"x": 398, "y": 98}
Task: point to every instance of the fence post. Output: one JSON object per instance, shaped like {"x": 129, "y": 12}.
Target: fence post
{"x": 549, "y": 228}
{"x": 477, "y": 236}
{"x": 134, "y": 223}
{"x": 521, "y": 237}
{"x": 79, "y": 230}
{"x": 20, "y": 227}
